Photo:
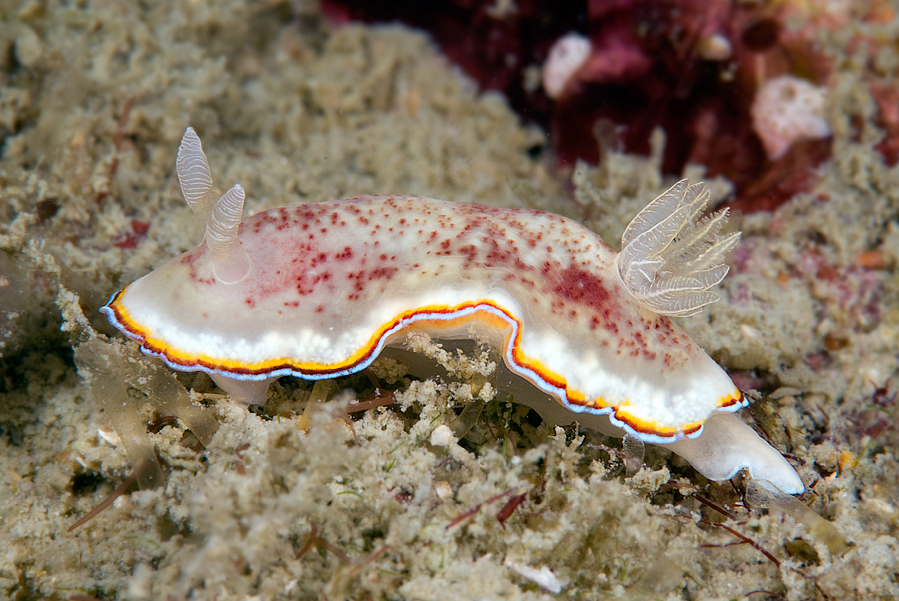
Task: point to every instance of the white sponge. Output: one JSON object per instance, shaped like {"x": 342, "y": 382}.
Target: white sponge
{"x": 788, "y": 109}
{"x": 566, "y": 56}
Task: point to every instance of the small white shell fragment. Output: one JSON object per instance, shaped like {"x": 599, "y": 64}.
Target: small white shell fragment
{"x": 28, "y": 47}
{"x": 566, "y": 56}
{"x": 442, "y": 436}
{"x": 110, "y": 437}
{"x": 543, "y": 577}
{"x": 715, "y": 47}
{"x": 788, "y": 109}
{"x": 749, "y": 332}
{"x": 443, "y": 489}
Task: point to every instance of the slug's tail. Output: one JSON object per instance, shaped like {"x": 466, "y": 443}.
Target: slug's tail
{"x": 671, "y": 256}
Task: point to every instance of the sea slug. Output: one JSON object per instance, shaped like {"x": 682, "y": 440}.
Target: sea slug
{"x": 319, "y": 290}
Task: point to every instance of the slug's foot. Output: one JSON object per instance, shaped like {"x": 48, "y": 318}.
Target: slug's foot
{"x": 250, "y": 392}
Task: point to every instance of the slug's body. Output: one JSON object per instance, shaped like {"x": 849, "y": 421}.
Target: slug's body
{"x": 319, "y": 290}
{"x": 329, "y": 284}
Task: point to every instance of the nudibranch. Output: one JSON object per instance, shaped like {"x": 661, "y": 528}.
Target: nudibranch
{"x": 319, "y": 290}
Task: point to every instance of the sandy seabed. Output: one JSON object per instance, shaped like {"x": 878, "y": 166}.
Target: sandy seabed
{"x": 94, "y": 97}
